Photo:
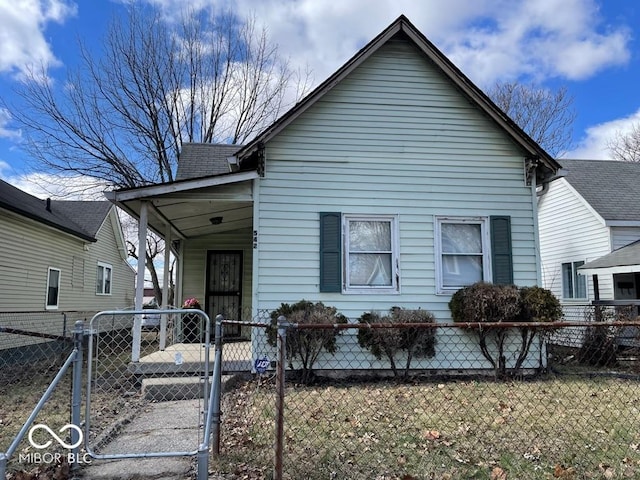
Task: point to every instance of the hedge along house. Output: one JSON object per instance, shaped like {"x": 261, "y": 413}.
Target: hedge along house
{"x": 394, "y": 183}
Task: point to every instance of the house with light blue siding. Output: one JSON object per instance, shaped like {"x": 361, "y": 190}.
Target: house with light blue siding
{"x": 395, "y": 182}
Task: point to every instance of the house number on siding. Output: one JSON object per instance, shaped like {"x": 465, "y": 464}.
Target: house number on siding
{"x": 255, "y": 239}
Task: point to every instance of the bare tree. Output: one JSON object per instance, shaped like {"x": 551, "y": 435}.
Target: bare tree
{"x": 122, "y": 117}
{"x": 625, "y": 147}
{"x": 545, "y": 116}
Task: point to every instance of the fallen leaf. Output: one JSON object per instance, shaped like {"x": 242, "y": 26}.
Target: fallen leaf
{"x": 498, "y": 474}
{"x": 431, "y": 435}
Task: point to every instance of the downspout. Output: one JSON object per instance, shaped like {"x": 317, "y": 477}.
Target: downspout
{"x": 534, "y": 207}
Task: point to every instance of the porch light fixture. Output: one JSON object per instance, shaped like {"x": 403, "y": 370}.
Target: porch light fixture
{"x": 215, "y": 220}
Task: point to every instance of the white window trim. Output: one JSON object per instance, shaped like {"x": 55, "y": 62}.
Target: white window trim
{"x": 104, "y": 266}
{"x": 574, "y": 275}
{"x": 437, "y": 247}
{"x": 395, "y": 255}
{"x": 46, "y": 294}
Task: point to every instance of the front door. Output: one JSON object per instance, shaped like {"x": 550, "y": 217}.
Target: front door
{"x": 224, "y": 287}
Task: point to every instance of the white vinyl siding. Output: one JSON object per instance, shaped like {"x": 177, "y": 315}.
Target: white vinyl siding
{"x": 393, "y": 138}
{"x": 621, "y": 236}
{"x": 570, "y": 231}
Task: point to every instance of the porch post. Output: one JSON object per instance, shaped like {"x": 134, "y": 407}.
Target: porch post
{"x": 142, "y": 254}
{"x": 165, "y": 288}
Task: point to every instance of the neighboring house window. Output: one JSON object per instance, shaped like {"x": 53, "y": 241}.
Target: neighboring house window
{"x": 103, "y": 285}
{"x": 472, "y": 249}
{"x": 363, "y": 249}
{"x": 573, "y": 285}
{"x": 53, "y": 289}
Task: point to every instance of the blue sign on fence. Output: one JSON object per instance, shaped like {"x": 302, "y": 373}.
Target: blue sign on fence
{"x": 261, "y": 364}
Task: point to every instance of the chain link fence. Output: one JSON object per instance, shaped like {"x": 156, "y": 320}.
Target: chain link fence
{"x": 450, "y": 409}
{"x": 35, "y": 347}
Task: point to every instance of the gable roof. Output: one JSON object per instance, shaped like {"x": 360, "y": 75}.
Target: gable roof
{"x": 612, "y": 188}
{"x": 203, "y": 159}
{"x": 402, "y": 26}
{"x": 79, "y": 218}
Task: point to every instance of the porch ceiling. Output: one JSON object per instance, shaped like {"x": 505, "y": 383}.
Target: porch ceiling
{"x": 190, "y": 213}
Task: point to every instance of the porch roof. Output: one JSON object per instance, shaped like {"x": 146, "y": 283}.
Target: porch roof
{"x": 193, "y": 207}
{"x": 622, "y": 260}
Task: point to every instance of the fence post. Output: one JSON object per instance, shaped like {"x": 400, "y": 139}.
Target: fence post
{"x": 280, "y": 384}
{"x": 212, "y": 415}
{"x": 217, "y": 386}
{"x": 76, "y": 389}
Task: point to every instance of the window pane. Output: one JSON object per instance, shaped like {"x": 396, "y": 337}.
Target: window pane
{"x": 580, "y": 281}
{"x": 370, "y": 269}
{"x": 107, "y": 280}
{"x": 461, "y": 238}
{"x": 567, "y": 281}
{"x": 54, "y": 284}
{"x": 461, "y": 270}
{"x": 100, "y": 277}
{"x": 368, "y": 236}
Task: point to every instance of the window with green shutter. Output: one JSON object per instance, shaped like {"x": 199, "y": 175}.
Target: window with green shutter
{"x": 330, "y": 252}
{"x": 472, "y": 249}
{"x": 501, "y": 255}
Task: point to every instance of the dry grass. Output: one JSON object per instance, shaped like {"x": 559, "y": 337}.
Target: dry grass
{"x": 554, "y": 428}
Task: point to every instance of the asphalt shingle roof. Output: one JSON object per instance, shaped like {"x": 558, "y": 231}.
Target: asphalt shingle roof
{"x": 204, "y": 159}
{"x": 79, "y": 218}
{"x": 612, "y": 188}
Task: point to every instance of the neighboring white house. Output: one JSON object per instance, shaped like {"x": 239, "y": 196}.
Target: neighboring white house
{"x": 394, "y": 183}
{"x": 590, "y": 211}
{"x": 58, "y": 257}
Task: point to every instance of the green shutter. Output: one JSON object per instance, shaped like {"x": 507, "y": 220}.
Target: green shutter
{"x": 330, "y": 252}
{"x": 501, "y": 256}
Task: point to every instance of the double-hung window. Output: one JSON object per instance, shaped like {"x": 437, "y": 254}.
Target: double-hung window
{"x": 370, "y": 253}
{"x": 53, "y": 289}
{"x": 574, "y": 286}
{"x": 103, "y": 280}
{"x": 462, "y": 252}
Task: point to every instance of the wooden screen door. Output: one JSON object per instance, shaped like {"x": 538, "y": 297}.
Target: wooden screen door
{"x": 224, "y": 287}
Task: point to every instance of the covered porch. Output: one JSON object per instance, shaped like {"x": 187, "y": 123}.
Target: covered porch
{"x": 206, "y": 224}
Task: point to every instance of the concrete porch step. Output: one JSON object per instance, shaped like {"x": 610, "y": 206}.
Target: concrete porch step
{"x": 173, "y": 388}
{"x": 181, "y": 388}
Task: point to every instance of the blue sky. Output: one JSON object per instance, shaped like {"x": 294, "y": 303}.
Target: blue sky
{"x": 589, "y": 46}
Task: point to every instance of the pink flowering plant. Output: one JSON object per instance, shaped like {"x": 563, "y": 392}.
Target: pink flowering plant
{"x": 192, "y": 303}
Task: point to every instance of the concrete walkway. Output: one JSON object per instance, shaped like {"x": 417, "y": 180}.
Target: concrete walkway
{"x": 159, "y": 427}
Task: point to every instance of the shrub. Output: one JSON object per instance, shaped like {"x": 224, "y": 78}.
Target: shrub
{"x": 485, "y": 302}
{"x": 306, "y": 345}
{"x": 416, "y": 341}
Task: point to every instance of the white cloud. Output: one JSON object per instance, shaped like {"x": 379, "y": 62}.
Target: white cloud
{"x": 487, "y": 39}
{"x": 593, "y": 145}
{"x": 43, "y": 185}
{"x": 22, "y": 32}
{"x": 5, "y": 131}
